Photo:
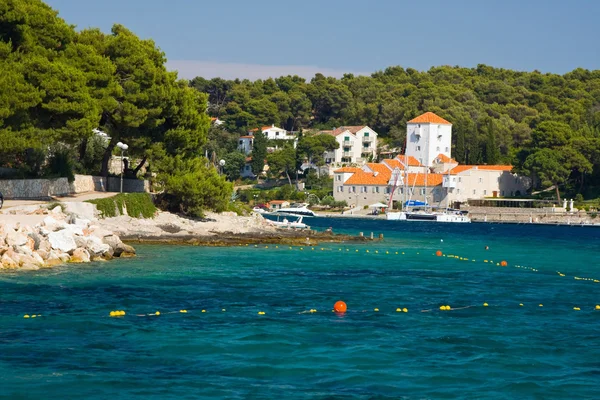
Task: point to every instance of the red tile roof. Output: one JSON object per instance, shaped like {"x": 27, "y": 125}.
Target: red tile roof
{"x": 412, "y": 162}
{"x": 419, "y": 179}
{"x": 429, "y": 118}
{"x": 278, "y": 201}
{"x": 393, "y": 163}
{"x": 246, "y": 137}
{"x": 462, "y": 168}
{"x": 379, "y": 167}
{"x": 445, "y": 159}
{"x": 369, "y": 178}
{"x": 351, "y": 129}
{"x": 347, "y": 169}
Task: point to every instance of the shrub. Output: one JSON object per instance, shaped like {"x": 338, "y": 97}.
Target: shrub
{"x": 137, "y": 205}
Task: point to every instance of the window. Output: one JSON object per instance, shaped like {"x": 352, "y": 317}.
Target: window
{"x": 353, "y": 189}
{"x": 373, "y": 189}
{"x": 410, "y": 191}
{"x": 376, "y": 189}
{"x": 423, "y": 191}
{"x": 341, "y": 189}
{"x": 387, "y": 190}
{"x": 347, "y": 139}
{"x": 241, "y": 142}
{"x": 453, "y": 179}
{"x": 502, "y": 193}
{"x": 474, "y": 191}
{"x": 338, "y": 177}
{"x": 484, "y": 192}
{"x": 366, "y": 134}
{"x": 366, "y": 189}
{"x": 276, "y": 133}
{"x": 437, "y": 148}
{"x": 480, "y": 180}
{"x": 459, "y": 179}
{"x": 418, "y": 148}
{"x": 457, "y": 191}
{"x": 447, "y": 150}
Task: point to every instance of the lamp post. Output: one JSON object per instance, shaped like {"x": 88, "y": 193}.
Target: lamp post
{"x": 221, "y": 164}
{"x": 123, "y": 147}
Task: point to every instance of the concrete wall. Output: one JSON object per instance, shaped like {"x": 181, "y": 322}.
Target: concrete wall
{"x": 46, "y": 188}
{"x": 34, "y": 188}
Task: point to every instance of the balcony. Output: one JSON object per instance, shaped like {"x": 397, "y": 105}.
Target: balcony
{"x": 367, "y": 139}
{"x": 448, "y": 183}
{"x": 347, "y": 144}
{"x": 347, "y": 154}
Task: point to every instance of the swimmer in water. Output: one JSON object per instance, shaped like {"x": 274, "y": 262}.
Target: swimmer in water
{"x": 487, "y": 247}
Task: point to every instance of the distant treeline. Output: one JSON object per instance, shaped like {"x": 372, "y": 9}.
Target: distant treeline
{"x": 547, "y": 125}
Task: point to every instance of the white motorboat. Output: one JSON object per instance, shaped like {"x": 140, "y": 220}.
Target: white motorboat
{"x": 260, "y": 210}
{"x": 297, "y": 209}
{"x": 433, "y": 216}
{"x": 286, "y": 224}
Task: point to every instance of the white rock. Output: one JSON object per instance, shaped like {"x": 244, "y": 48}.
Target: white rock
{"x": 56, "y": 210}
{"x": 100, "y": 232}
{"x": 62, "y": 240}
{"x": 96, "y": 246}
{"x": 74, "y": 229}
{"x": 53, "y": 224}
{"x": 38, "y": 258}
{"x": 80, "y": 255}
{"x": 16, "y": 239}
{"x": 8, "y": 262}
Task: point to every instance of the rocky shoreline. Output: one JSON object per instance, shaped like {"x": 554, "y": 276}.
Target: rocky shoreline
{"x": 34, "y": 237}
{"x": 60, "y": 237}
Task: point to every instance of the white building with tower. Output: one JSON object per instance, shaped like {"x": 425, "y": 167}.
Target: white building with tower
{"x": 428, "y": 136}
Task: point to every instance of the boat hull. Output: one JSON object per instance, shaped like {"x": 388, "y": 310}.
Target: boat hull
{"x": 431, "y": 217}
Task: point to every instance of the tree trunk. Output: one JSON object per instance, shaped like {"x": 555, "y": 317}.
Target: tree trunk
{"x": 107, "y": 155}
{"x": 82, "y": 148}
{"x": 557, "y": 194}
{"x": 581, "y": 185}
{"x": 288, "y": 177}
{"x": 140, "y": 165}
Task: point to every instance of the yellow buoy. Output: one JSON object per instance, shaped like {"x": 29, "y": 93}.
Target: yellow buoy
{"x": 541, "y": 305}
{"x": 27, "y": 316}
{"x": 33, "y": 316}
{"x": 261, "y": 313}
{"x": 485, "y": 304}
{"x": 597, "y": 306}
{"x": 112, "y": 314}
{"x": 443, "y": 308}
{"x": 223, "y": 310}
{"x": 183, "y": 311}
{"x": 376, "y": 309}
{"x": 398, "y": 310}
{"x": 157, "y": 313}
{"x": 405, "y": 309}
{"x": 576, "y": 308}
{"x": 203, "y": 310}
{"x": 367, "y": 251}
{"x": 521, "y": 304}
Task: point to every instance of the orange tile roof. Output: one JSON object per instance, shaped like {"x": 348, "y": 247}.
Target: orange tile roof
{"x": 412, "y": 162}
{"x": 461, "y": 168}
{"x": 393, "y": 163}
{"x": 495, "y": 167}
{"x": 379, "y": 167}
{"x": 265, "y": 128}
{"x": 429, "y": 118}
{"x": 278, "y": 201}
{"x": 347, "y": 169}
{"x": 351, "y": 129}
{"x": 369, "y": 178}
{"x": 246, "y": 137}
{"x": 419, "y": 179}
{"x": 445, "y": 159}
{"x": 213, "y": 118}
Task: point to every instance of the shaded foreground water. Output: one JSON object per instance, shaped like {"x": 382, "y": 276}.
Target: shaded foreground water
{"x": 74, "y": 350}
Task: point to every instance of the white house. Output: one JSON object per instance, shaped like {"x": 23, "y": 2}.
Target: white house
{"x": 465, "y": 182}
{"x": 274, "y": 133}
{"x": 245, "y": 144}
{"x": 358, "y": 144}
{"x": 428, "y": 136}
{"x": 216, "y": 121}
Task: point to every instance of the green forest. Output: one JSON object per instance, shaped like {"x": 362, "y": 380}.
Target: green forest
{"x": 58, "y": 84}
{"x": 545, "y": 125}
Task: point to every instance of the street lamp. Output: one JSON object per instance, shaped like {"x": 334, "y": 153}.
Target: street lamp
{"x": 123, "y": 147}
{"x": 222, "y": 164}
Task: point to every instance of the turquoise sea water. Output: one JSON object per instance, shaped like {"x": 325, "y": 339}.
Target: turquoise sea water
{"x": 503, "y": 351}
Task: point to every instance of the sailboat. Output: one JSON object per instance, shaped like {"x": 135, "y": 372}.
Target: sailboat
{"x": 413, "y": 210}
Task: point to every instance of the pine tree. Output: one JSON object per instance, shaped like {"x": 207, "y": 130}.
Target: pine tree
{"x": 259, "y": 152}
{"x": 492, "y": 152}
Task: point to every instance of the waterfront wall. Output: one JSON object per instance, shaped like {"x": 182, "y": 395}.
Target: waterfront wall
{"x": 46, "y": 188}
{"x": 532, "y": 215}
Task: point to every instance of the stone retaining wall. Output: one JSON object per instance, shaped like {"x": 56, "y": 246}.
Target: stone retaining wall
{"x": 46, "y": 188}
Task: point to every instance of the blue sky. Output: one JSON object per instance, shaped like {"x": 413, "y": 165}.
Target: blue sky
{"x": 260, "y": 38}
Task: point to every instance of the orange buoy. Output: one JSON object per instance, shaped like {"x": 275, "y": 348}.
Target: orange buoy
{"x": 340, "y": 307}
{"x": 503, "y": 263}
{"x": 438, "y": 253}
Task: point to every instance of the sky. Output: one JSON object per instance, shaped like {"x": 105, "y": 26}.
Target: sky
{"x": 262, "y": 38}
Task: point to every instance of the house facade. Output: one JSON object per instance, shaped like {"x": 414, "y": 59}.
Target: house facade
{"x": 274, "y": 133}
{"x": 357, "y": 145}
{"x": 427, "y": 172}
{"x": 428, "y": 136}
{"x": 245, "y": 144}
